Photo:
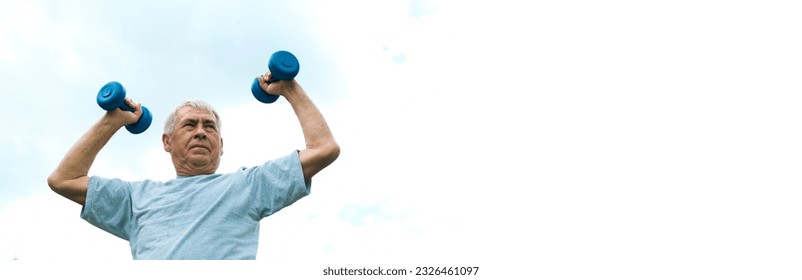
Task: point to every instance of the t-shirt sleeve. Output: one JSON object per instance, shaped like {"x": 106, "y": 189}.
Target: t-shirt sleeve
{"x": 108, "y": 205}
{"x": 277, "y": 184}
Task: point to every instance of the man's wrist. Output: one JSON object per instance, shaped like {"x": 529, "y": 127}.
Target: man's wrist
{"x": 109, "y": 121}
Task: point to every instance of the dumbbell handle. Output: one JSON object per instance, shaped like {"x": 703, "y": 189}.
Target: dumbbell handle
{"x": 283, "y": 66}
{"x": 125, "y": 107}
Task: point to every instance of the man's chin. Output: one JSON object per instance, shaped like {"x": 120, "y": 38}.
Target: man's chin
{"x": 198, "y": 159}
{"x": 192, "y": 165}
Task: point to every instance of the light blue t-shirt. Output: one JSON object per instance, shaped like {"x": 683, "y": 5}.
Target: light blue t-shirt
{"x": 197, "y": 217}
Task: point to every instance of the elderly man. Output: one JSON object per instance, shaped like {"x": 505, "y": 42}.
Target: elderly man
{"x": 199, "y": 214}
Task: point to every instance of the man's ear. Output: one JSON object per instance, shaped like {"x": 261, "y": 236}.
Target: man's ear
{"x": 221, "y": 146}
{"x": 166, "y": 142}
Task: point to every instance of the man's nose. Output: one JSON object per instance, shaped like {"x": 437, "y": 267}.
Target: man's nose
{"x": 199, "y": 133}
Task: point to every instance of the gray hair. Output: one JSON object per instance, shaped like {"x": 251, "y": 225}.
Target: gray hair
{"x": 169, "y": 123}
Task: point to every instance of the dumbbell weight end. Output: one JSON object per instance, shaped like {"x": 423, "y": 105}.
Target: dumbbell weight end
{"x": 283, "y": 65}
{"x": 111, "y": 96}
{"x": 142, "y": 124}
{"x": 260, "y": 94}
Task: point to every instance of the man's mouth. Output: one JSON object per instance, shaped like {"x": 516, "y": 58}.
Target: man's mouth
{"x": 198, "y": 146}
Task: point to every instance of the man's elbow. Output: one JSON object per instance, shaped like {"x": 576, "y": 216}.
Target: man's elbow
{"x": 55, "y": 183}
{"x": 326, "y": 154}
{"x": 60, "y": 184}
{"x": 73, "y": 189}
{"x": 313, "y": 160}
{"x": 333, "y": 152}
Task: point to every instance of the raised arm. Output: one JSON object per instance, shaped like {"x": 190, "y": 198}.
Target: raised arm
{"x": 70, "y": 179}
{"x": 321, "y": 149}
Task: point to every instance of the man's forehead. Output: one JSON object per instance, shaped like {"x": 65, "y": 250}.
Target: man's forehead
{"x": 192, "y": 113}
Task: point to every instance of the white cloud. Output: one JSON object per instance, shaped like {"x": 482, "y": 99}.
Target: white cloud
{"x": 21, "y": 24}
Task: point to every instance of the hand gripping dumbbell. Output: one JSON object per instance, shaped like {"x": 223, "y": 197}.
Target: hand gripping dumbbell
{"x": 283, "y": 66}
{"x": 112, "y": 96}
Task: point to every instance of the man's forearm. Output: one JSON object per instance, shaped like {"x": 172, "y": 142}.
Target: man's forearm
{"x": 321, "y": 148}
{"x": 315, "y": 129}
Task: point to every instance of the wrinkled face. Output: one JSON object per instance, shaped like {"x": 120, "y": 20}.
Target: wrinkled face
{"x": 195, "y": 144}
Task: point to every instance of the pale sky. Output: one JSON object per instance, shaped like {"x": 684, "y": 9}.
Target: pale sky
{"x": 543, "y": 140}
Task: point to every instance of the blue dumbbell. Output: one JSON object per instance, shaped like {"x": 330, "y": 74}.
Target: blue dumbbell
{"x": 112, "y": 96}
{"x": 283, "y": 66}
